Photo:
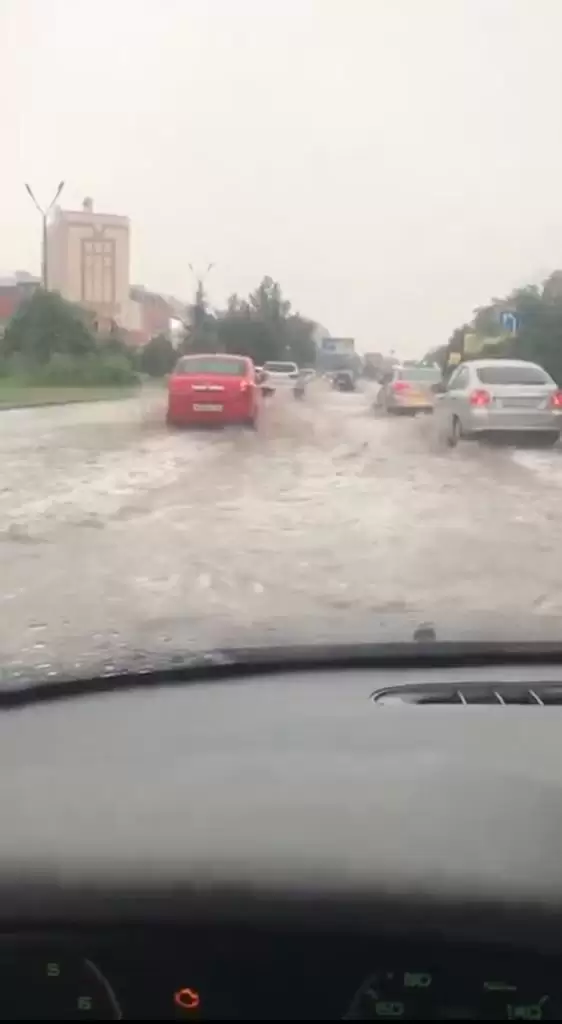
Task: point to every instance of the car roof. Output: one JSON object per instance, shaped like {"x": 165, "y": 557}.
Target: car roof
{"x": 501, "y": 362}
{"x": 399, "y": 367}
{"x": 213, "y": 355}
{"x": 279, "y": 362}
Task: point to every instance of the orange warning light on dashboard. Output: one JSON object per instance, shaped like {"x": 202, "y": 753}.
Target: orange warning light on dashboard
{"x": 187, "y": 998}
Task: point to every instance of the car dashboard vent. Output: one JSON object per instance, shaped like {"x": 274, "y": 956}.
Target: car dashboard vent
{"x": 471, "y": 694}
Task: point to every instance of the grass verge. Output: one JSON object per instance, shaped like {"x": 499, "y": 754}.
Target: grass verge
{"x": 18, "y": 396}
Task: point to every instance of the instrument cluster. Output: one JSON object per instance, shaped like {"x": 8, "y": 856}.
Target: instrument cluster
{"x": 174, "y": 974}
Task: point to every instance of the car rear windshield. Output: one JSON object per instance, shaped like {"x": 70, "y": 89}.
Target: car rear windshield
{"x": 512, "y": 375}
{"x": 212, "y": 364}
{"x": 281, "y": 367}
{"x": 424, "y": 374}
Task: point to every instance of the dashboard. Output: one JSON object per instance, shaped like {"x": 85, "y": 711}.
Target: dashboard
{"x": 282, "y": 847}
{"x": 237, "y": 974}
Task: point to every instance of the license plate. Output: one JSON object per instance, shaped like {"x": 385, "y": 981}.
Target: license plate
{"x": 207, "y": 407}
{"x": 522, "y": 403}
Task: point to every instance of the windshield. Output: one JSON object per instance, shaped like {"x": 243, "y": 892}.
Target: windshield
{"x": 511, "y": 375}
{"x": 196, "y": 189}
{"x": 211, "y": 364}
{"x": 421, "y": 374}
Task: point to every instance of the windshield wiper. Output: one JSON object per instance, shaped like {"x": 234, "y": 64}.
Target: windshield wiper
{"x": 232, "y": 664}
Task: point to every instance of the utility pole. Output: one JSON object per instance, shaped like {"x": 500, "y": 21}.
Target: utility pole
{"x": 44, "y": 217}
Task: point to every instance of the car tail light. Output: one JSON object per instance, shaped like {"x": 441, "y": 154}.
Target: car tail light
{"x": 400, "y": 385}
{"x": 556, "y": 400}
{"x": 480, "y": 397}
{"x": 245, "y": 385}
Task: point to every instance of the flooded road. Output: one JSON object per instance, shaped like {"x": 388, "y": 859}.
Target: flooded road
{"x": 111, "y": 526}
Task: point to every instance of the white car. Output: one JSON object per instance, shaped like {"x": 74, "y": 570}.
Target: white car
{"x": 279, "y": 376}
{"x": 499, "y": 396}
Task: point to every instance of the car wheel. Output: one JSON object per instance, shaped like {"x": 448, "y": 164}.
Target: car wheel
{"x": 455, "y": 432}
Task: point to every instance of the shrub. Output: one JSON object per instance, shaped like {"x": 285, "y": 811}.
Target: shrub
{"x": 46, "y": 324}
{"x": 91, "y": 370}
{"x": 158, "y": 357}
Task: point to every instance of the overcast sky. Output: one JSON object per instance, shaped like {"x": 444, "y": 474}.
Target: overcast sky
{"x": 393, "y": 163}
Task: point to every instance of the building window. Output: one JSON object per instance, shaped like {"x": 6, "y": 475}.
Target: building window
{"x": 98, "y": 272}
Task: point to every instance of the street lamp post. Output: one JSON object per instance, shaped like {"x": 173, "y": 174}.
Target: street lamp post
{"x": 197, "y": 314}
{"x": 44, "y": 216}
{"x": 200, "y": 278}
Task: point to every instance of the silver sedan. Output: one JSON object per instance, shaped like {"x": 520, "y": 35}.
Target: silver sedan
{"x": 490, "y": 396}
{"x": 408, "y": 389}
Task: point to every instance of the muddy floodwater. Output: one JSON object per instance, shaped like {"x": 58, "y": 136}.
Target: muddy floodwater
{"x": 112, "y": 527}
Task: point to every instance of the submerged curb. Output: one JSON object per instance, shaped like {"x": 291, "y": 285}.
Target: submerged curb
{"x": 78, "y": 400}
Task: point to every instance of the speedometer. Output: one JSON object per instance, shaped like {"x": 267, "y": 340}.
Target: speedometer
{"x": 455, "y": 992}
{"x": 46, "y": 984}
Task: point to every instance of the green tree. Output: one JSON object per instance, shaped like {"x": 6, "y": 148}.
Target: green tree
{"x": 300, "y": 345}
{"x": 112, "y": 345}
{"x": 261, "y": 326}
{"x": 45, "y": 325}
{"x": 243, "y": 331}
{"x": 267, "y": 302}
{"x": 157, "y": 357}
{"x": 200, "y": 334}
{"x": 437, "y": 355}
{"x": 237, "y": 307}
{"x": 270, "y": 310}
{"x": 538, "y": 338}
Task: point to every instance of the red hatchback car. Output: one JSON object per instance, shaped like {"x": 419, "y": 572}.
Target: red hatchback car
{"x": 213, "y": 389}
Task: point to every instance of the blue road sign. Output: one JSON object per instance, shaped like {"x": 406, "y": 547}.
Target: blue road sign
{"x": 509, "y": 322}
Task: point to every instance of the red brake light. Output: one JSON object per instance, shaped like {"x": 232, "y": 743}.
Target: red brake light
{"x": 245, "y": 384}
{"x": 556, "y": 400}
{"x": 400, "y": 385}
{"x": 480, "y": 397}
